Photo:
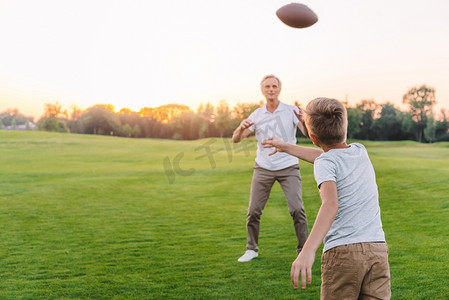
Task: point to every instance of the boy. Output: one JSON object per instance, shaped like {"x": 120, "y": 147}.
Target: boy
{"x": 355, "y": 259}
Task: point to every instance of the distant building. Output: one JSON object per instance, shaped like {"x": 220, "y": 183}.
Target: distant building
{"x": 29, "y": 126}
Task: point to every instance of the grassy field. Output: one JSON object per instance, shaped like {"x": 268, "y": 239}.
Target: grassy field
{"x": 95, "y": 217}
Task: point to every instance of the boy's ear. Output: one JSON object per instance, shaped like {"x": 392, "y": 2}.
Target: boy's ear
{"x": 314, "y": 139}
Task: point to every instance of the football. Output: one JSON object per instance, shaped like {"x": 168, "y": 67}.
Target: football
{"x": 297, "y": 15}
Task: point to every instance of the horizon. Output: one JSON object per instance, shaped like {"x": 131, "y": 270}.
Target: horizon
{"x": 147, "y": 54}
{"x": 68, "y": 110}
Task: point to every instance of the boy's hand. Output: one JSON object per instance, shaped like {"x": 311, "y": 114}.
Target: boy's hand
{"x": 302, "y": 265}
{"x": 274, "y": 142}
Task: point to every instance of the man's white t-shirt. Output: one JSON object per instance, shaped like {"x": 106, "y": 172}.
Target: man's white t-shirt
{"x": 282, "y": 123}
{"x": 358, "y": 217}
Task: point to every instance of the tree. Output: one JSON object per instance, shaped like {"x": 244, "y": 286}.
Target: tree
{"x": 181, "y": 126}
{"x": 108, "y": 107}
{"x": 133, "y": 119}
{"x": 76, "y": 112}
{"x": 11, "y": 114}
{"x": 99, "y": 119}
{"x": 368, "y": 109}
{"x": 388, "y": 125}
{"x": 442, "y": 127}
{"x": 54, "y": 119}
{"x": 430, "y": 130}
{"x": 74, "y": 123}
{"x": 354, "y": 121}
{"x": 420, "y": 101}
{"x": 126, "y": 131}
{"x": 223, "y": 119}
{"x": 165, "y": 113}
{"x": 408, "y": 126}
{"x": 52, "y": 123}
{"x": 242, "y": 111}
{"x": 148, "y": 112}
{"x": 54, "y": 110}
{"x": 151, "y": 127}
{"x": 14, "y": 123}
{"x": 207, "y": 113}
{"x": 136, "y": 132}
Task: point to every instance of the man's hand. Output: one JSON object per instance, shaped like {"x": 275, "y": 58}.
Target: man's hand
{"x": 302, "y": 265}
{"x": 299, "y": 115}
{"x": 274, "y": 142}
{"x": 242, "y": 131}
{"x": 246, "y": 124}
{"x": 301, "y": 124}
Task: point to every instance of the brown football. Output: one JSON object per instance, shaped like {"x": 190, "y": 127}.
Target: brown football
{"x": 297, "y": 15}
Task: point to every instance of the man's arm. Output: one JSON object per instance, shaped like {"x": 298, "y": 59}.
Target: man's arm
{"x": 242, "y": 131}
{"x": 326, "y": 216}
{"x": 308, "y": 154}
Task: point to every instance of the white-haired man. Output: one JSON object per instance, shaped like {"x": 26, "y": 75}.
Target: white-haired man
{"x": 273, "y": 119}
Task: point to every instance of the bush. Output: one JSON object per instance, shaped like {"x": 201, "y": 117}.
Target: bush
{"x": 52, "y": 124}
{"x": 443, "y": 138}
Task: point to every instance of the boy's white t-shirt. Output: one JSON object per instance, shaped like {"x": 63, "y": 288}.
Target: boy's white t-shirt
{"x": 281, "y": 123}
{"x": 358, "y": 217}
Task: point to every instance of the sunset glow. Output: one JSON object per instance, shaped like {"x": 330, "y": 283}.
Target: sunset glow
{"x": 137, "y": 54}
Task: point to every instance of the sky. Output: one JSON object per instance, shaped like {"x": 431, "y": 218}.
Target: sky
{"x": 138, "y": 54}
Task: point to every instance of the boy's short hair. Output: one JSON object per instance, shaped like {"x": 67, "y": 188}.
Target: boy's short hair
{"x": 271, "y": 76}
{"x": 327, "y": 119}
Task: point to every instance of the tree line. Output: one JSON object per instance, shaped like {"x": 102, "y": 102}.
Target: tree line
{"x": 367, "y": 120}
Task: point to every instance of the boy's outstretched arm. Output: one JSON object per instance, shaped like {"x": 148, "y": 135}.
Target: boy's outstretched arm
{"x": 326, "y": 216}
{"x": 308, "y": 154}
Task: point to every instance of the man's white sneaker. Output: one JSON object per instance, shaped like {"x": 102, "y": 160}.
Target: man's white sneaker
{"x": 249, "y": 254}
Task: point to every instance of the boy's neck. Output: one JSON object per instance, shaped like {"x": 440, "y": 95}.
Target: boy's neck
{"x": 342, "y": 145}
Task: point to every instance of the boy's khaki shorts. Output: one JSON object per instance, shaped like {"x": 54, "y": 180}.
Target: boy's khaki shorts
{"x": 356, "y": 271}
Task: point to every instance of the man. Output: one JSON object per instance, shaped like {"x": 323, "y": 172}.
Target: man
{"x": 274, "y": 119}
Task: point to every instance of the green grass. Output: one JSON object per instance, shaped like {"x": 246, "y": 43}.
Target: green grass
{"x": 100, "y": 217}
